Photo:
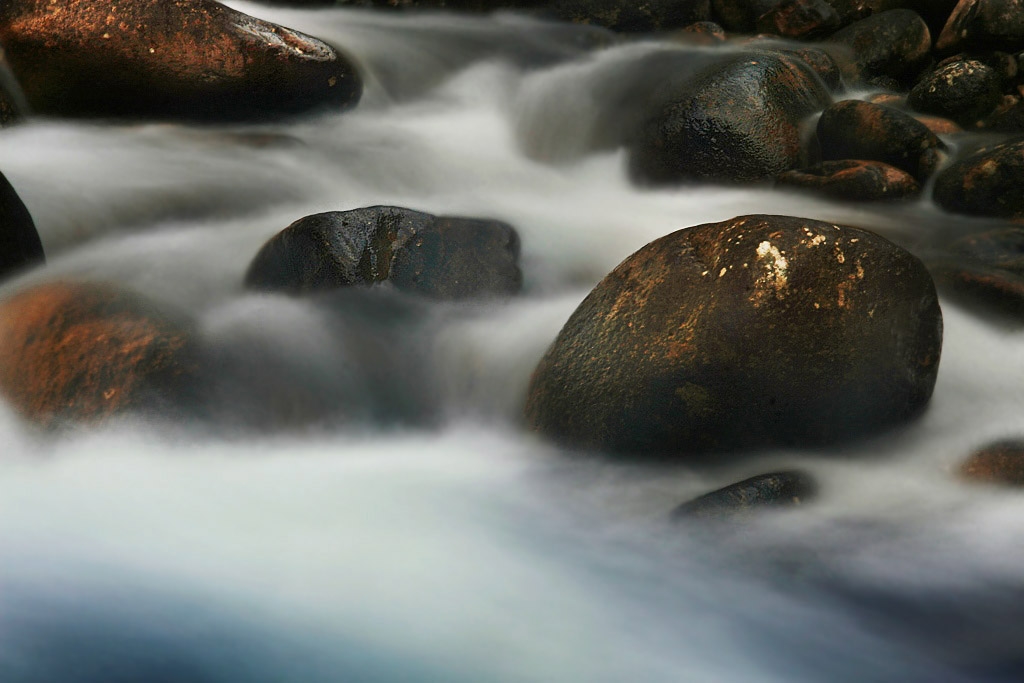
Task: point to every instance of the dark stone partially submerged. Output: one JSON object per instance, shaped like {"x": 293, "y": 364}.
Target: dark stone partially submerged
{"x": 754, "y": 332}
{"x": 853, "y": 180}
{"x": 985, "y": 183}
{"x": 438, "y": 256}
{"x": 20, "y": 246}
{"x": 765, "y": 491}
{"x": 998, "y": 463}
{"x": 985, "y": 269}
{"x": 188, "y": 59}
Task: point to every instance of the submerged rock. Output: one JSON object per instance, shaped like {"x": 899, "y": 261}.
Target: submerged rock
{"x": 985, "y": 183}
{"x": 20, "y": 246}
{"x": 189, "y": 59}
{"x": 86, "y": 352}
{"x": 861, "y": 130}
{"x": 738, "y": 120}
{"x": 894, "y": 44}
{"x": 438, "y": 256}
{"x": 853, "y": 180}
{"x": 963, "y": 90}
{"x": 998, "y": 463}
{"x": 986, "y": 268}
{"x": 754, "y": 332}
{"x": 800, "y": 19}
{"x": 774, "y": 490}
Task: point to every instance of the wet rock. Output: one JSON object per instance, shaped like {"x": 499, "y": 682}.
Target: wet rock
{"x": 765, "y": 491}
{"x": 823, "y": 64}
{"x": 754, "y": 332}
{"x": 13, "y": 107}
{"x": 442, "y": 257}
{"x": 1001, "y": 248}
{"x": 806, "y": 19}
{"x": 20, "y": 246}
{"x": 934, "y": 12}
{"x": 939, "y": 125}
{"x": 985, "y": 269}
{"x": 853, "y": 180}
{"x": 861, "y": 130}
{"x": 631, "y": 17}
{"x": 998, "y": 463}
{"x": 741, "y": 16}
{"x": 984, "y": 24}
{"x": 190, "y": 59}
{"x": 704, "y": 32}
{"x": 985, "y": 183}
{"x": 86, "y": 352}
{"x": 894, "y": 44}
{"x": 964, "y": 90}
{"x": 736, "y": 121}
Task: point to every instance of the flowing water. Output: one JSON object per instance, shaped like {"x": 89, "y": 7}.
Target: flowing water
{"x": 428, "y": 537}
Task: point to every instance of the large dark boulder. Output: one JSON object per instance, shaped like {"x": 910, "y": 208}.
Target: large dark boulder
{"x": 738, "y": 120}
{"x": 87, "y": 352}
{"x": 985, "y": 25}
{"x": 861, "y": 130}
{"x": 853, "y": 180}
{"x": 188, "y": 59}
{"x": 964, "y": 90}
{"x": 755, "y": 332}
{"x": 765, "y": 491}
{"x": 985, "y": 183}
{"x": 20, "y": 246}
{"x": 438, "y": 256}
{"x": 895, "y": 44}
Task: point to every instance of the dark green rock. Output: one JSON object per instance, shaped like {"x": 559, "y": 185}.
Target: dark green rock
{"x": 755, "y": 332}
{"x": 765, "y": 491}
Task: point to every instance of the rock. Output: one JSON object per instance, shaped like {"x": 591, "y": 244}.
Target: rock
{"x": 774, "y": 490}
{"x": 738, "y": 120}
{"x": 1001, "y": 248}
{"x": 188, "y": 59}
{"x": 853, "y": 180}
{"x": 998, "y": 463}
{"x": 861, "y": 130}
{"x": 984, "y": 24}
{"x": 985, "y": 268}
{"x": 894, "y": 44}
{"x": 704, "y": 33}
{"x": 934, "y": 12}
{"x": 13, "y": 107}
{"x": 964, "y": 90}
{"x": 806, "y": 19}
{"x": 740, "y": 16}
{"x": 632, "y": 17}
{"x": 441, "y": 257}
{"x": 20, "y": 246}
{"x": 823, "y": 64}
{"x": 87, "y": 352}
{"x": 755, "y": 332}
{"x": 938, "y": 125}
{"x": 985, "y": 183}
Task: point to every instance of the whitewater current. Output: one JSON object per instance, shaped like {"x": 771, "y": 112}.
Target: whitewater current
{"x": 444, "y": 542}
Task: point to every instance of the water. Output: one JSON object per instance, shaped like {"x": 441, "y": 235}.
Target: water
{"x": 419, "y": 534}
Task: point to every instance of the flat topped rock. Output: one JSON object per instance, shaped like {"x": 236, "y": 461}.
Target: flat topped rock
{"x": 187, "y": 59}
{"x": 755, "y": 332}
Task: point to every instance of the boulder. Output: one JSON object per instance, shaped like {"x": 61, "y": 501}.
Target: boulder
{"x": 188, "y": 59}
{"x": 755, "y": 332}
{"x": 853, "y": 180}
{"x": 861, "y": 130}
{"x": 998, "y": 463}
{"x": 738, "y": 120}
{"x": 985, "y": 269}
{"x": 86, "y": 352}
{"x": 800, "y": 19}
{"x": 984, "y": 24}
{"x": 985, "y": 183}
{"x": 894, "y": 44}
{"x": 765, "y": 491}
{"x": 964, "y": 90}
{"x": 441, "y": 257}
{"x": 20, "y": 246}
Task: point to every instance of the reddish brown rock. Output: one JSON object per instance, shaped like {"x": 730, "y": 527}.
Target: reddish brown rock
{"x": 985, "y": 183}
{"x": 86, "y": 352}
{"x": 765, "y": 491}
{"x": 853, "y": 180}
{"x": 895, "y": 44}
{"x": 20, "y": 246}
{"x": 998, "y": 463}
{"x": 186, "y": 59}
{"x": 800, "y": 19}
{"x": 939, "y": 125}
{"x": 984, "y": 24}
{"x": 755, "y": 332}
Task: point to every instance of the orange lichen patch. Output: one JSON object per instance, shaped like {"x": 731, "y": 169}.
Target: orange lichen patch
{"x": 85, "y": 352}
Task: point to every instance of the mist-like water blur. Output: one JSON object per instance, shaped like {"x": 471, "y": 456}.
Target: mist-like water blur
{"x": 425, "y": 536}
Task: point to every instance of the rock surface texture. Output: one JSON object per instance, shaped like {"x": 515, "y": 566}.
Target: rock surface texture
{"x": 755, "y": 332}
{"x": 985, "y": 183}
{"x": 20, "y": 246}
{"x": 178, "y": 59}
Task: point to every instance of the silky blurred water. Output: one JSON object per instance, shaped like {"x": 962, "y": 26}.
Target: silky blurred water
{"x": 426, "y": 536}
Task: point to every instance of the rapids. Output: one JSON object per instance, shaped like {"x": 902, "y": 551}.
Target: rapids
{"x": 444, "y": 543}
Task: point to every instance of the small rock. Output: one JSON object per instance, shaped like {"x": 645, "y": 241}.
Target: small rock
{"x": 632, "y": 17}
{"x": 705, "y": 32}
{"x": 998, "y": 463}
{"x": 853, "y": 180}
{"x": 939, "y": 125}
{"x": 985, "y": 183}
{"x": 806, "y": 19}
{"x": 860, "y": 130}
{"x": 88, "y": 352}
{"x": 20, "y": 246}
{"x": 984, "y": 24}
{"x": 894, "y": 44}
{"x": 441, "y": 257}
{"x": 774, "y": 490}
{"x": 964, "y": 91}
{"x": 755, "y": 332}
{"x": 188, "y": 59}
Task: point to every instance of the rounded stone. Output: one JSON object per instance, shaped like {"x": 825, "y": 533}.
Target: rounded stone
{"x": 985, "y": 183}
{"x": 853, "y": 180}
{"x": 86, "y": 352}
{"x": 983, "y": 24}
{"x": 800, "y": 19}
{"x": 963, "y": 90}
{"x": 755, "y": 332}
{"x": 188, "y": 59}
{"x": 998, "y": 463}
{"x": 765, "y": 491}
{"x": 894, "y": 44}
{"x": 20, "y": 246}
